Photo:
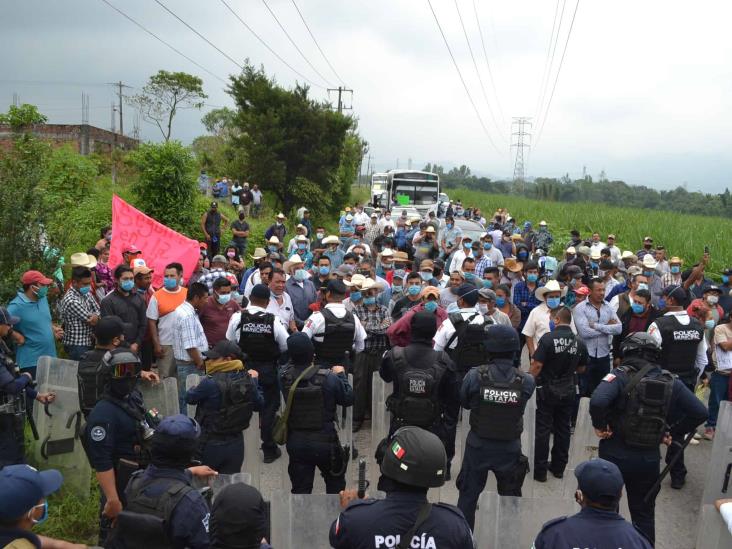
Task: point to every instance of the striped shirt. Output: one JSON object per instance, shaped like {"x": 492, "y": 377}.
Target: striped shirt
{"x": 188, "y": 332}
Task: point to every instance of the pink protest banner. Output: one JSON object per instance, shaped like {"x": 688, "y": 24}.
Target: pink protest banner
{"x": 159, "y": 244}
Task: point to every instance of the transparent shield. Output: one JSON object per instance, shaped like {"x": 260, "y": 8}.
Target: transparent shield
{"x": 713, "y": 532}
{"x": 162, "y": 395}
{"x": 61, "y": 425}
{"x": 515, "y": 522}
{"x": 302, "y": 520}
{"x": 527, "y": 444}
{"x": 585, "y": 442}
{"x": 719, "y": 473}
{"x": 380, "y": 419}
{"x": 192, "y": 381}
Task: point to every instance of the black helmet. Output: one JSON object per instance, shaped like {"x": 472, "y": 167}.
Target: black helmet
{"x": 415, "y": 457}
{"x": 124, "y": 356}
{"x": 639, "y": 342}
{"x": 501, "y": 339}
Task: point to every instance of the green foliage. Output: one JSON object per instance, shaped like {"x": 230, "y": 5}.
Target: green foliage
{"x": 164, "y": 94}
{"x": 69, "y": 178}
{"x": 19, "y": 118}
{"x": 72, "y": 518}
{"x": 292, "y": 144}
{"x": 166, "y": 185}
{"x": 219, "y": 121}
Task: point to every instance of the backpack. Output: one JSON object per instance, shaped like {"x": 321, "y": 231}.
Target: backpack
{"x": 93, "y": 375}
{"x": 237, "y": 404}
{"x": 469, "y": 350}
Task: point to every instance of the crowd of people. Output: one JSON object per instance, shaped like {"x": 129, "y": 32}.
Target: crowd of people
{"x": 441, "y": 314}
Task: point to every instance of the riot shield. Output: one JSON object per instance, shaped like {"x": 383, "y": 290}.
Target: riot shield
{"x": 719, "y": 471}
{"x": 713, "y": 532}
{"x": 585, "y": 442}
{"x": 527, "y": 445}
{"x": 192, "y": 381}
{"x": 302, "y": 520}
{"x": 515, "y": 522}
{"x": 380, "y": 416}
{"x": 162, "y": 396}
{"x": 61, "y": 425}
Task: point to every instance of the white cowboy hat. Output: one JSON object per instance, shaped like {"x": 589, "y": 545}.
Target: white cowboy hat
{"x": 294, "y": 260}
{"x": 649, "y": 262}
{"x": 549, "y": 287}
{"x": 331, "y": 240}
{"x": 81, "y": 259}
{"x": 273, "y": 240}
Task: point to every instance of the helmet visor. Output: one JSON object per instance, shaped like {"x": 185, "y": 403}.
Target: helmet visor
{"x": 128, "y": 369}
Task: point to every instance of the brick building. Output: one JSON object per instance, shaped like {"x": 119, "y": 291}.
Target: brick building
{"x": 85, "y": 138}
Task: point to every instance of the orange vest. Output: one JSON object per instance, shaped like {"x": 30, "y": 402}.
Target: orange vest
{"x": 168, "y": 302}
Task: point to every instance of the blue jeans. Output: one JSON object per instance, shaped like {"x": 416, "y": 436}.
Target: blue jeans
{"x": 184, "y": 370}
{"x": 75, "y": 352}
{"x": 597, "y": 368}
{"x": 718, "y": 387}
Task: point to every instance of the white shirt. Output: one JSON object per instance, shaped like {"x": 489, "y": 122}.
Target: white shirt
{"x": 166, "y": 330}
{"x": 284, "y": 311}
{"x": 315, "y": 326}
{"x": 280, "y": 332}
{"x": 188, "y": 332}
{"x": 254, "y": 279}
{"x": 610, "y": 283}
{"x": 457, "y": 260}
{"x": 538, "y": 323}
{"x": 726, "y": 511}
{"x": 383, "y": 222}
{"x": 494, "y": 255}
{"x": 446, "y": 329}
{"x": 597, "y": 247}
{"x": 614, "y": 253}
{"x": 361, "y": 218}
{"x": 701, "y": 351}
{"x": 499, "y": 317}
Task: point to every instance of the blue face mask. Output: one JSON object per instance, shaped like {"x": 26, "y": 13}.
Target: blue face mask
{"x": 170, "y": 283}
{"x": 430, "y": 306}
{"x": 448, "y": 225}
{"x": 355, "y": 296}
{"x": 369, "y": 300}
{"x": 44, "y": 516}
{"x": 637, "y": 308}
{"x": 709, "y": 324}
{"x": 426, "y": 276}
{"x": 84, "y": 290}
{"x": 467, "y": 245}
{"x": 675, "y": 269}
{"x": 127, "y": 285}
{"x": 553, "y": 302}
{"x": 300, "y": 275}
{"x": 324, "y": 271}
{"x": 594, "y": 264}
{"x": 302, "y": 246}
{"x": 452, "y": 308}
{"x": 223, "y": 298}
{"x": 500, "y": 301}
{"x": 487, "y": 246}
{"x": 648, "y": 273}
{"x": 487, "y": 283}
{"x": 725, "y": 280}
{"x": 642, "y": 286}
{"x": 272, "y": 248}
{"x": 532, "y": 277}
{"x": 43, "y": 291}
{"x": 661, "y": 304}
{"x": 414, "y": 290}
{"x": 397, "y": 290}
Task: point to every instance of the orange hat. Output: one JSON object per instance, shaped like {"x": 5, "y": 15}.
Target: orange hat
{"x": 430, "y": 291}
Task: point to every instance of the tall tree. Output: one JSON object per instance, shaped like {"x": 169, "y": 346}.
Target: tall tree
{"x": 166, "y": 93}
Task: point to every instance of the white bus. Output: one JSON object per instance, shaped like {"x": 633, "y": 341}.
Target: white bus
{"x": 413, "y": 188}
{"x": 378, "y": 189}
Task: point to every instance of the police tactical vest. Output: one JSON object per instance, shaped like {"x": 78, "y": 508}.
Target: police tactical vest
{"x": 418, "y": 400}
{"x": 469, "y": 350}
{"x": 145, "y": 521}
{"x": 337, "y": 337}
{"x": 93, "y": 374}
{"x": 236, "y": 408}
{"x": 308, "y": 404}
{"x": 679, "y": 346}
{"x": 560, "y": 383}
{"x": 644, "y": 407}
{"x": 500, "y": 413}
{"x": 256, "y": 336}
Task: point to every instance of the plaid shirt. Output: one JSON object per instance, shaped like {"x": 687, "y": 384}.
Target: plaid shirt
{"x": 188, "y": 332}
{"x": 75, "y": 312}
{"x": 375, "y": 322}
{"x": 482, "y": 264}
{"x": 522, "y": 294}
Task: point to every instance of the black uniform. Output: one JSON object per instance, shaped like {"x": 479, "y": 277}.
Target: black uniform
{"x": 337, "y": 339}
{"x": 257, "y": 341}
{"x": 561, "y": 353}
{"x": 496, "y": 395}
{"x": 15, "y": 390}
{"x": 634, "y": 445}
{"x": 312, "y": 439}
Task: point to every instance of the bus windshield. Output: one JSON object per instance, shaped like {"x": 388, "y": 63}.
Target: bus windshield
{"x": 415, "y": 194}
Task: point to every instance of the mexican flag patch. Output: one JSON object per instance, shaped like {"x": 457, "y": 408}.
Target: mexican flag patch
{"x": 397, "y": 450}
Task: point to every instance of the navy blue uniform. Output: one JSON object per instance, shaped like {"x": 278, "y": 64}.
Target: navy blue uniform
{"x": 372, "y": 523}
{"x": 268, "y": 383}
{"x": 590, "y": 528}
{"x": 640, "y": 468}
{"x": 321, "y": 449}
{"x": 482, "y": 455}
{"x": 224, "y": 454}
{"x": 12, "y": 441}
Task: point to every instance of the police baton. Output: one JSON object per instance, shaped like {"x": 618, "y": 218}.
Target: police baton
{"x": 32, "y": 423}
{"x": 669, "y": 465}
{"x": 362, "y": 482}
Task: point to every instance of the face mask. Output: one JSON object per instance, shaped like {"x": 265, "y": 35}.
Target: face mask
{"x": 42, "y": 292}
{"x": 487, "y": 283}
{"x": 553, "y": 302}
{"x": 241, "y": 217}
{"x": 279, "y": 224}
{"x": 230, "y": 254}
{"x": 387, "y": 217}
{"x": 127, "y": 285}
{"x": 426, "y": 276}
{"x": 712, "y": 299}
{"x": 272, "y": 248}
{"x": 84, "y": 290}
{"x": 532, "y": 277}
{"x": 522, "y": 256}
{"x": 223, "y": 298}
{"x": 356, "y": 241}
{"x": 483, "y": 308}
{"x": 355, "y": 296}
{"x": 170, "y": 283}
{"x": 469, "y": 277}
{"x": 709, "y": 324}
{"x": 647, "y": 246}
{"x": 487, "y": 246}
{"x": 43, "y": 517}
{"x": 430, "y": 306}
{"x": 302, "y": 246}
{"x": 108, "y": 237}
{"x": 648, "y": 273}
{"x": 414, "y": 290}
{"x": 300, "y": 275}
{"x": 452, "y": 308}
{"x": 642, "y": 286}
{"x": 467, "y": 245}
{"x": 324, "y": 271}
{"x": 675, "y": 269}
{"x": 637, "y": 308}
{"x": 500, "y": 301}
{"x": 369, "y": 300}
{"x": 387, "y": 266}
{"x": 448, "y": 225}
{"x": 594, "y": 264}
{"x": 320, "y": 236}
{"x": 725, "y": 279}
{"x": 661, "y": 304}
{"x": 397, "y": 290}
{"x": 120, "y": 388}
{"x": 570, "y": 258}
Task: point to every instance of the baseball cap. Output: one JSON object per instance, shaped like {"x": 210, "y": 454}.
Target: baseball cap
{"x": 426, "y": 264}
{"x": 219, "y": 259}
{"x": 131, "y": 249}
{"x": 141, "y": 269}
{"x": 109, "y": 327}
{"x": 35, "y": 277}
{"x": 260, "y": 291}
{"x": 430, "y": 291}
{"x": 214, "y": 204}
{"x": 677, "y": 292}
{"x": 598, "y": 479}
{"x": 22, "y": 487}
{"x": 487, "y": 293}
{"x": 179, "y": 425}
{"x": 336, "y": 287}
{"x": 712, "y": 288}
{"x": 7, "y": 318}
{"x": 300, "y": 347}
{"x": 469, "y": 293}
{"x": 224, "y": 348}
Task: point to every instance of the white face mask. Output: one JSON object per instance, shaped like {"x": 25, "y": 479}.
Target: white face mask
{"x": 483, "y": 308}
{"x": 712, "y": 299}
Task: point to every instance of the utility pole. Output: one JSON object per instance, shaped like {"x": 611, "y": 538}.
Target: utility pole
{"x": 119, "y": 85}
{"x": 341, "y": 91}
{"x": 368, "y": 168}
{"x": 522, "y": 141}
{"x": 16, "y": 99}
{"x": 409, "y": 163}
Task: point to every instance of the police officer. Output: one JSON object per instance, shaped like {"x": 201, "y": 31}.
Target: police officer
{"x": 599, "y": 488}
{"x": 163, "y": 509}
{"x": 559, "y": 354}
{"x": 425, "y": 383}
{"x": 461, "y": 336}
{"x": 116, "y": 436}
{"x": 496, "y": 394}
{"x": 263, "y": 338}
{"x": 334, "y": 330}
{"x": 633, "y": 409}
{"x": 14, "y": 390}
{"x": 225, "y": 400}
{"x": 684, "y": 353}
{"x": 312, "y": 440}
{"x": 415, "y": 461}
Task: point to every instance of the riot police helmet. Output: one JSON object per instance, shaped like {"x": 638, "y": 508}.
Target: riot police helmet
{"x": 501, "y": 339}
{"x": 640, "y": 343}
{"x": 124, "y": 363}
{"x": 415, "y": 457}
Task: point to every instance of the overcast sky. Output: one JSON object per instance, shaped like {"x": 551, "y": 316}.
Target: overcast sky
{"x": 643, "y": 91}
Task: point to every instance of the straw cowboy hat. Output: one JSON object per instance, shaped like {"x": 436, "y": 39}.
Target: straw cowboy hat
{"x": 548, "y": 288}
{"x": 81, "y": 259}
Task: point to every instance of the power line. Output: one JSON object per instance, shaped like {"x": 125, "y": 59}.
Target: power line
{"x": 287, "y": 34}
{"x": 202, "y": 37}
{"x": 316, "y": 43}
{"x": 551, "y": 64}
{"x": 544, "y": 72}
{"x": 487, "y": 63}
{"x": 261, "y": 40}
{"x": 475, "y": 66}
{"x": 156, "y": 37}
{"x": 460, "y": 74}
{"x": 554, "y": 87}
